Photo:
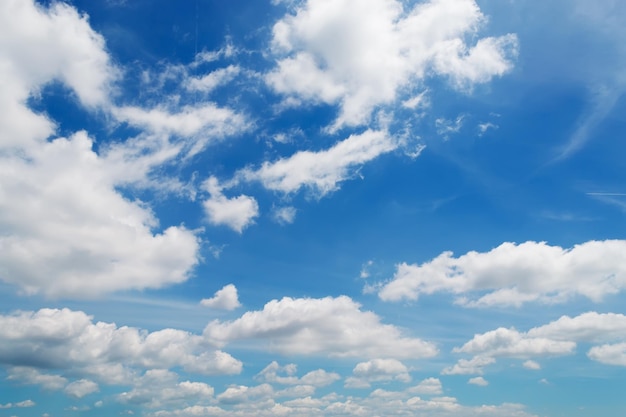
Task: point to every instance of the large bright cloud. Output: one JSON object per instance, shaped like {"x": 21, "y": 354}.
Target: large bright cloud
{"x": 327, "y": 326}
{"x": 69, "y": 343}
{"x": 361, "y": 53}
{"x": 512, "y": 274}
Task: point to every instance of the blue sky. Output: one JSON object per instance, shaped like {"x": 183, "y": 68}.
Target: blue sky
{"x": 312, "y": 208}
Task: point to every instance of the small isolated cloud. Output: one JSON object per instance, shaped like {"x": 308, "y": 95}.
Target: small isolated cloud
{"x": 530, "y": 364}
{"x": 224, "y": 299}
{"x": 211, "y": 81}
{"x": 484, "y": 127}
{"x": 321, "y": 171}
{"x": 377, "y": 370}
{"x": 284, "y": 215}
{"x": 514, "y": 274}
{"x": 365, "y": 273}
{"x": 446, "y": 127}
{"x": 236, "y": 213}
{"x": 479, "y": 380}
{"x": 336, "y": 327}
{"x": 81, "y": 388}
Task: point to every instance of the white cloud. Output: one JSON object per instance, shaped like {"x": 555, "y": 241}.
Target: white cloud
{"x": 225, "y": 299}
{"x": 429, "y": 386}
{"x": 610, "y": 354}
{"x": 359, "y": 54}
{"x": 213, "y": 79}
{"x": 377, "y": 370}
{"x": 321, "y": 171}
{"x": 236, "y": 213}
{"x": 31, "y": 376}
{"x": 284, "y": 215}
{"x": 513, "y": 274}
{"x": 447, "y": 127}
{"x": 317, "y": 378}
{"x": 69, "y": 342}
{"x": 328, "y": 326}
{"x": 530, "y": 364}
{"x": 557, "y": 338}
{"x": 81, "y": 388}
{"x": 479, "y": 380}
{"x": 21, "y": 404}
{"x": 471, "y": 366}
{"x": 65, "y": 219}
{"x": 158, "y": 388}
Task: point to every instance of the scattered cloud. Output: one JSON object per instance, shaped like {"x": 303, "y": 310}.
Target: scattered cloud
{"x": 284, "y": 215}
{"x": 479, "y": 380}
{"x": 322, "y": 171}
{"x": 377, "y": 370}
{"x": 225, "y": 299}
{"x": 81, "y": 388}
{"x": 336, "y": 327}
{"x": 446, "y": 127}
{"x": 530, "y": 364}
{"x": 236, "y": 213}
{"x": 512, "y": 274}
{"x": 318, "y": 378}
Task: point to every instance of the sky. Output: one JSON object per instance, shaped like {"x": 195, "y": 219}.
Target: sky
{"x": 312, "y": 208}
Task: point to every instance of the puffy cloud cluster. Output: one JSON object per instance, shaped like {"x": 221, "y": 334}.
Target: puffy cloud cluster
{"x": 361, "y": 53}
{"x": 317, "y": 378}
{"x": 556, "y": 338}
{"x": 70, "y": 343}
{"x": 236, "y": 213}
{"x": 377, "y": 370}
{"x": 512, "y": 274}
{"x": 326, "y": 326}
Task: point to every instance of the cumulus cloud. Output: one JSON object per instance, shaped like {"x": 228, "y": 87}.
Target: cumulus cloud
{"x": 318, "y": 378}
{"x": 236, "y": 213}
{"x": 557, "y": 338}
{"x": 321, "y": 171}
{"x": 21, "y": 404}
{"x": 284, "y": 215}
{"x": 429, "y": 386}
{"x": 479, "y": 380}
{"x": 377, "y": 370}
{"x": 65, "y": 218}
{"x": 512, "y": 274}
{"x": 158, "y": 388}
{"x": 360, "y": 54}
{"x": 326, "y": 326}
{"x": 225, "y": 299}
{"x": 70, "y": 343}
{"x": 81, "y": 388}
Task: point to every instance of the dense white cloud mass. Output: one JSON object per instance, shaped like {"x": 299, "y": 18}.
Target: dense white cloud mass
{"x": 327, "y": 326}
{"x": 66, "y": 230}
{"x": 512, "y": 274}
{"x": 360, "y": 54}
{"x": 159, "y": 387}
{"x": 322, "y": 171}
{"x": 236, "y": 213}
{"x": 69, "y": 342}
{"x": 226, "y": 299}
